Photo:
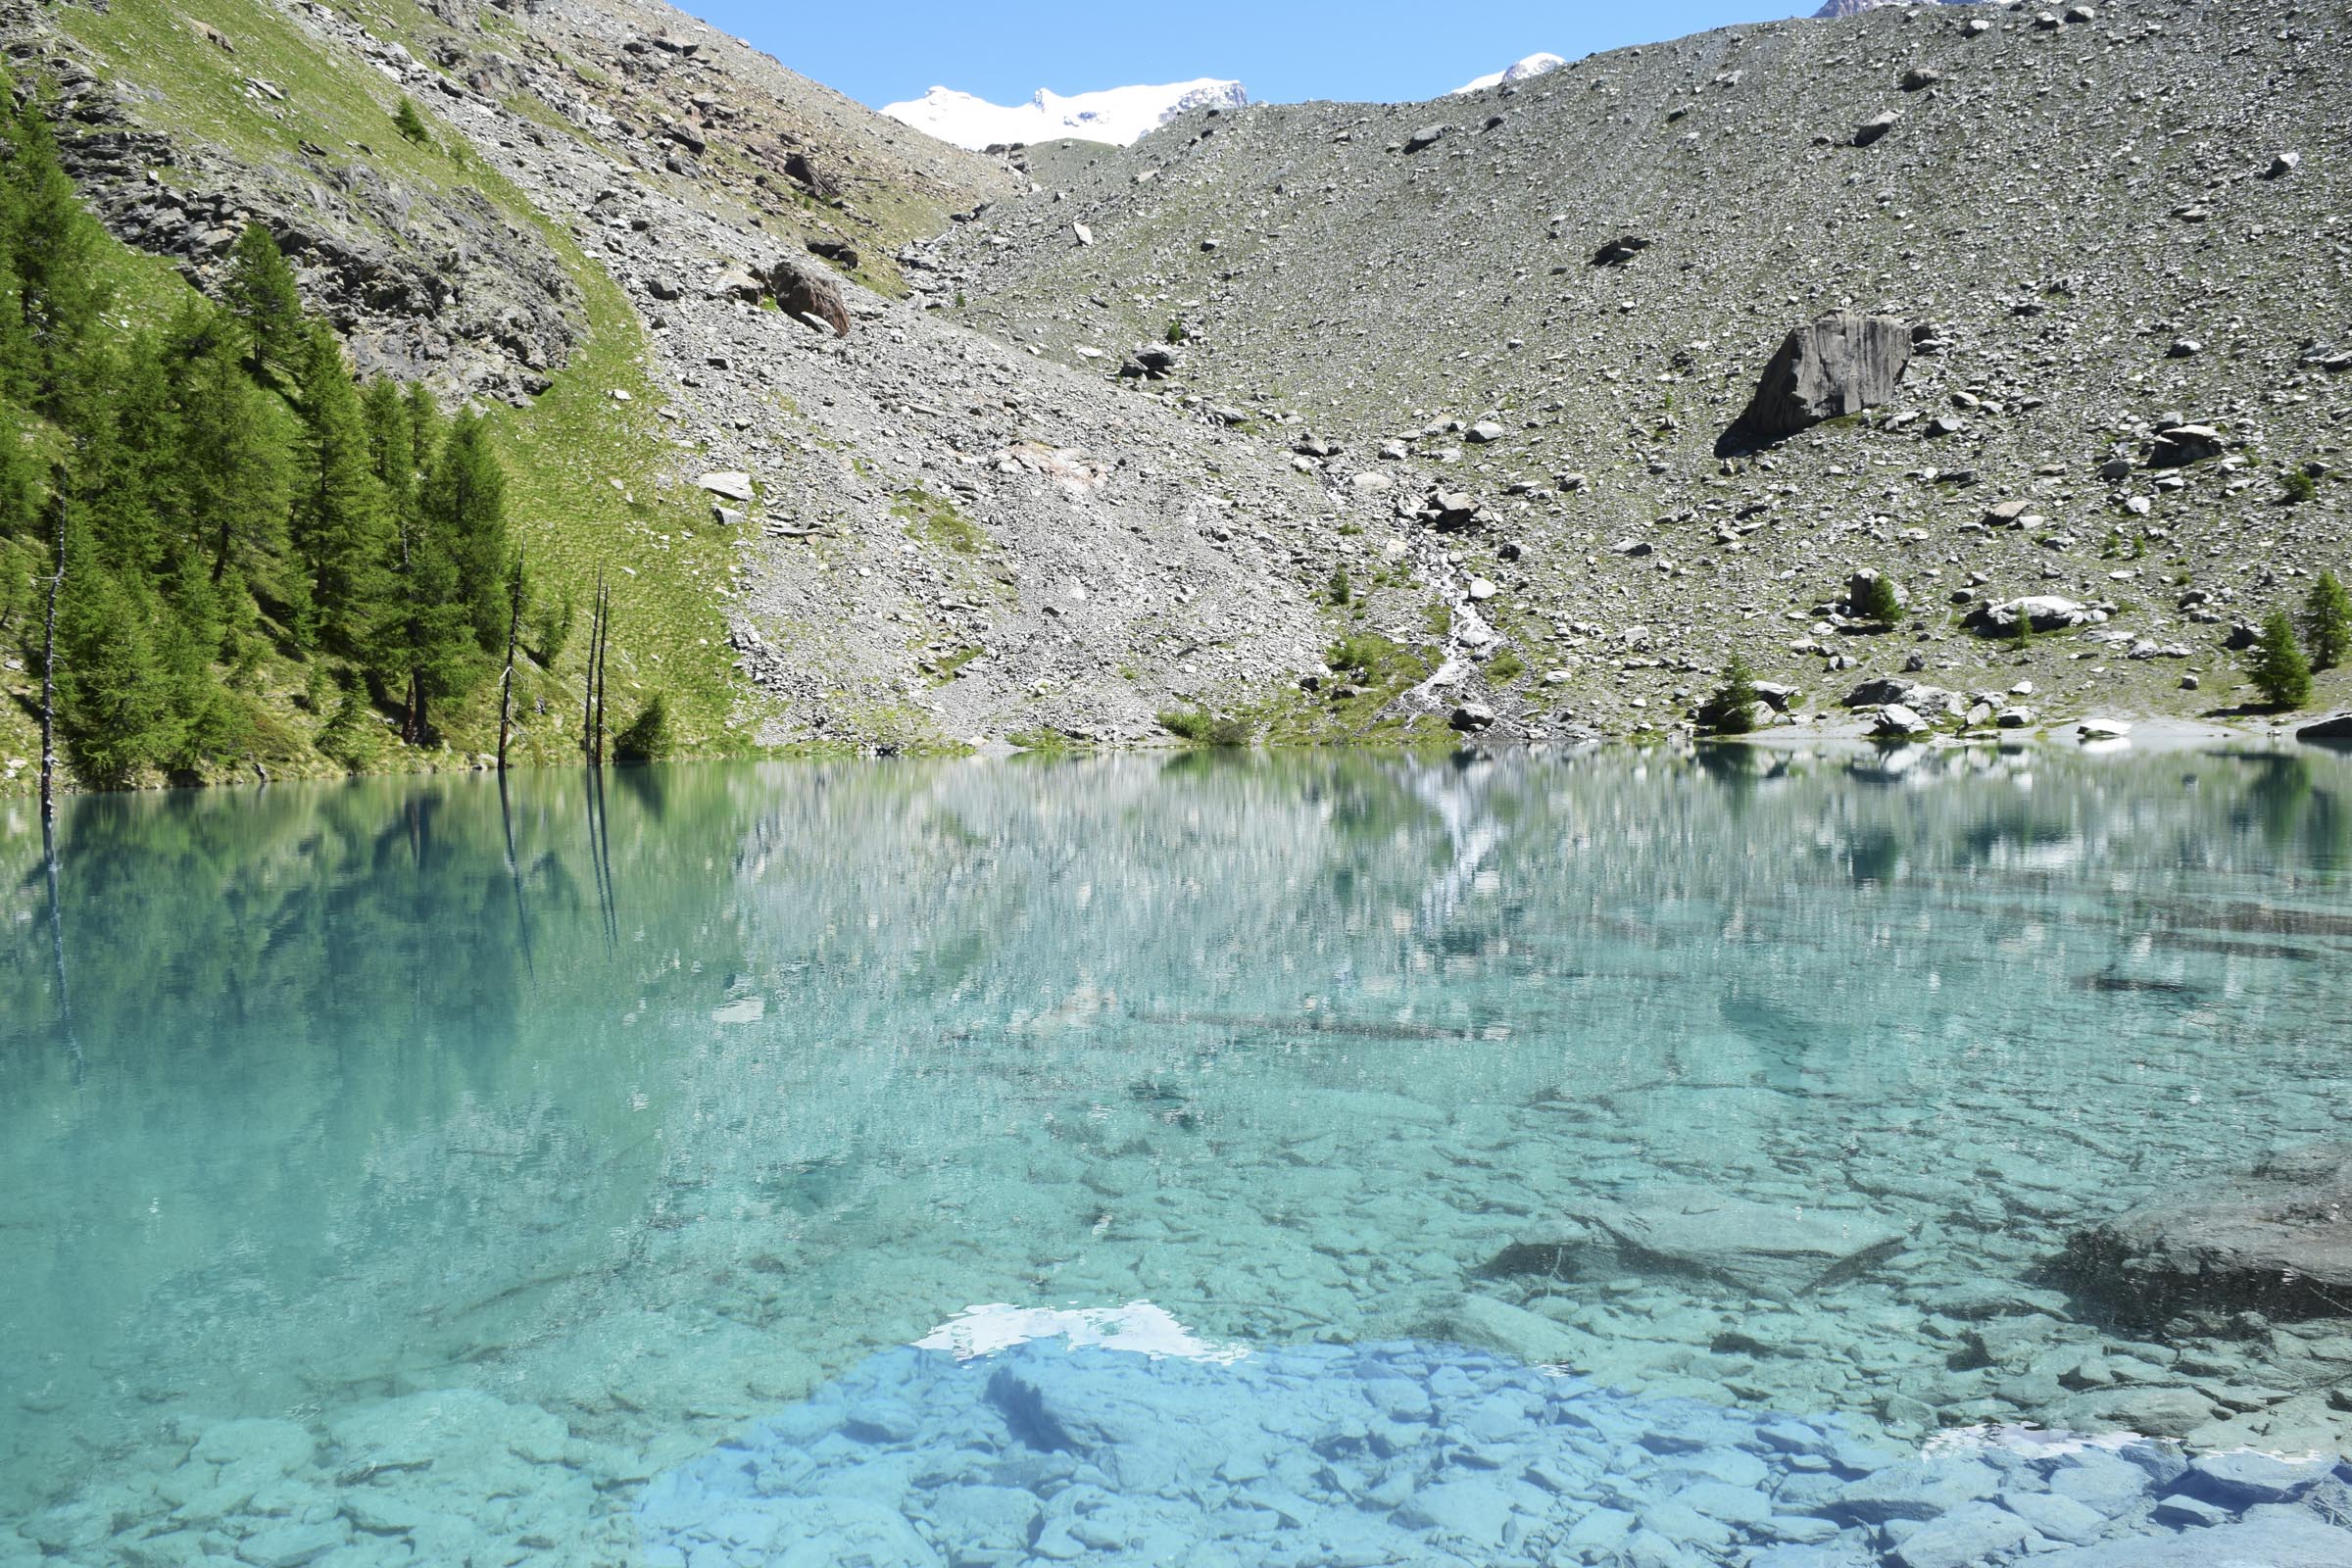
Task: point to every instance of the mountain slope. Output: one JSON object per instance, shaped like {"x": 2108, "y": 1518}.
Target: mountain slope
{"x": 2090, "y": 223}
{"x": 948, "y": 540}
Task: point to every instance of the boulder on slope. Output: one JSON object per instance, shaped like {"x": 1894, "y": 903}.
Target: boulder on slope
{"x": 806, "y": 291}
{"x": 1842, "y": 364}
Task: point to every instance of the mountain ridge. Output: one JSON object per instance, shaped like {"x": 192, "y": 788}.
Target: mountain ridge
{"x": 1116, "y": 116}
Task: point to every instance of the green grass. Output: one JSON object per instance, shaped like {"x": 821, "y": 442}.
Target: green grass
{"x": 1200, "y": 728}
{"x": 935, "y": 520}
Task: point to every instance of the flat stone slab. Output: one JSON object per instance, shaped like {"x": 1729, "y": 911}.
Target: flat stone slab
{"x": 734, "y": 485}
{"x": 2276, "y": 1240}
{"x": 1778, "y": 1249}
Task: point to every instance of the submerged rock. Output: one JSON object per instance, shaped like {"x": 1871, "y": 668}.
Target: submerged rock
{"x": 1773, "y": 1249}
{"x": 2276, "y": 1239}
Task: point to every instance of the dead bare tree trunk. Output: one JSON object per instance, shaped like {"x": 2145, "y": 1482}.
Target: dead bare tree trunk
{"x": 505, "y": 682}
{"x": 604, "y": 641}
{"x": 595, "y": 624}
{"x": 57, "y": 581}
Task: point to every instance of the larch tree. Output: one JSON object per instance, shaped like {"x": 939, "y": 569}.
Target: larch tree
{"x": 261, "y": 292}
{"x": 341, "y": 525}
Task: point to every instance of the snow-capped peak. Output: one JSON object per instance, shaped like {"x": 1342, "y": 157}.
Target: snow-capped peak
{"x": 1117, "y": 114}
{"x": 1519, "y": 70}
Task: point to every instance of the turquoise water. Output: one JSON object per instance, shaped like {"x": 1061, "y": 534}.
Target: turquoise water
{"x": 393, "y": 1177}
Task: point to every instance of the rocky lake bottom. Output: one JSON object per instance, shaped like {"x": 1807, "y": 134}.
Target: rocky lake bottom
{"x": 1603, "y": 1158}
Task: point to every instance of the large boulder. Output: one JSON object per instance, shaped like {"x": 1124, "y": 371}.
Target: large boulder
{"x": 806, "y": 291}
{"x": 2276, "y": 1239}
{"x": 1842, "y": 364}
{"x": 1773, "y": 1249}
{"x": 2042, "y": 612}
{"x": 2337, "y": 729}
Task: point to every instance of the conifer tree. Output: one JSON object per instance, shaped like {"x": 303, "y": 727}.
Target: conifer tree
{"x": 2327, "y": 623}
{"x": 428, "y": 651}
{"x": 1732, "y": 710}
{"x": 340, "y": 529}
{"x": 113, "y": 704}
{"x": 2277, "y": 665}
{"x": 211, "y": 723}
{"x": 260, "y": 291}
{"x": 464, "y": 504}
{"x": 53, "y": 252}
{"x": 232, "y": 455}
{"x": 16, "y": 344}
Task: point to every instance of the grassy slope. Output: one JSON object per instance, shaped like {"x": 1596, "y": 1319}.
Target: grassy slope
{"x": 581, "y": 466}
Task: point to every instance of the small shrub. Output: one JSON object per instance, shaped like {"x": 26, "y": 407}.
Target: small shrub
{"x": 1877, "y": 599}
{"x": 2300, "y": 487}
{"x": 1505, "y": 667}
{"x": 2327, "y": 623}
{"x": 1203, "y": 728}
{"x": 1186, "y": 725}
{"x": 647, "y": 738}
{"x": 1359, "y": 654}
{"x": 409, "y": 123}
{"x": 1732, "y": 710}
{"x": 347, "y": 740}
{"x": 1341, "y": 591}
{"x": 550, "y": 628}
{"x": 2276, "y": 666}
{"x": 1176, "y": 332}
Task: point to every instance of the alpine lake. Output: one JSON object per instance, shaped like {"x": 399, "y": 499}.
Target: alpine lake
{"x": 1730, "y": 1157}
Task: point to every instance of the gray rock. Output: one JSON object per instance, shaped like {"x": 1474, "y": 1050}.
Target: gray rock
{"x": 1918, "y": 1490}
{"x": 1875, "y": 127}
{"x": 2285, "y": 1538}
{"x": 1516, "y": 1332}
{"x": 1840, "y": 365}
{"x": 2337, "y": 727}
{"x": 1152, "y": 363}
{"x": 2060, "y": 1518}
{"x": 806, "y": 291}
{"x": 1899, "y": 722}
{"x": 2276, "y": 1240}
{"x": 1770, "y": 1248}
{"x": 2282, "y": 165}
{"x": 1426, "y": 136}
{"x": 1970, "y": 1534}
{"x": 290, "y": 1545}
{"x": 2040, "y": 611}
{"x": 1471, "y": 718}
{"x": 2183, "y": 444}
{"x": 2244, "y": 1479}
{"x": 1484, "y": 432}
{"x": 1619, "y": 251}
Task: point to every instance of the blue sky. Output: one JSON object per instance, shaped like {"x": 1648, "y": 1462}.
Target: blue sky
{"x": 1281, "y": 50}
